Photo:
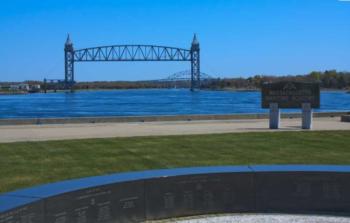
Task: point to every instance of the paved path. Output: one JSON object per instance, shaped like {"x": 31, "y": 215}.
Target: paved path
{"x": 105, "y": 130}
{"x": 272, "y": 218}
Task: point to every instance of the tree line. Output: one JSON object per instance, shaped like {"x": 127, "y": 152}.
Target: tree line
{"x": 329, "y": 79}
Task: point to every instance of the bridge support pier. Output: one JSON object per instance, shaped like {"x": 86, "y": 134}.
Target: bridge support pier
{"x": 195, "y": 64}
{"x": 69, "y": 64}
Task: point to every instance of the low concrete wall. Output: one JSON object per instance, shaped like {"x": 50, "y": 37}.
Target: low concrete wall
{"x": 38, "y": 121}
{"x": 160, "y": 194}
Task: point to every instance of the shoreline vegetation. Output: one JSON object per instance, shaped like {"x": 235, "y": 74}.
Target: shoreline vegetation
{"x": 25, "y": 164}
{"x": 13, "y": 92}
{"x": 112, "y": 89}
{"x": 329, "y": 80}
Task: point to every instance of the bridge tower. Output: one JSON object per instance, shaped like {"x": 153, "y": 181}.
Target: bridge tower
{"x": 195, "y": 64}
{"x": 69, "y": 64}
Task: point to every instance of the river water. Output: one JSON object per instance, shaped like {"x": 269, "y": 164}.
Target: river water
{"x": 145, "y": 102}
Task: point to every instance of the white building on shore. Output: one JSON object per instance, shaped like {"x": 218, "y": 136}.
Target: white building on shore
{"x": 20, "y": 87}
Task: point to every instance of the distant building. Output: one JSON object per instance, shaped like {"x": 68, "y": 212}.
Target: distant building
{"x": 31, "y": 88}
{"x": 34, "y": 88}
{"x": 20, "y": 87}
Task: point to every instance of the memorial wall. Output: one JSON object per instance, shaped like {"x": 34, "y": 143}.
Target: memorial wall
{"x": 161, "y": 194}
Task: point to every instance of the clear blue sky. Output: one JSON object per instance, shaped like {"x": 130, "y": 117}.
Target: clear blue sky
{"x": 237, "y": 37}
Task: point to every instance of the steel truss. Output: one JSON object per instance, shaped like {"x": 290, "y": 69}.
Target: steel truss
{"x": 186, "y": 76}
{"x": 132, "y": 53}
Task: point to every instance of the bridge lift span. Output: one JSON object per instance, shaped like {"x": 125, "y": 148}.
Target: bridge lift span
{"x": 132, "y": 53}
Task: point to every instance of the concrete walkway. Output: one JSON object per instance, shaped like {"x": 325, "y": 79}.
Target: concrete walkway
{"x": 105, "y": 130}
{"x": 267, "y": 218}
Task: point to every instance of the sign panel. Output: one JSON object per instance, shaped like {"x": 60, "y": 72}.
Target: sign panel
{"x": 290, "y": 94}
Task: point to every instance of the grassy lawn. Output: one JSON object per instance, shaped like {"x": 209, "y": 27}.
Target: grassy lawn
{"x": 32, "y": 163}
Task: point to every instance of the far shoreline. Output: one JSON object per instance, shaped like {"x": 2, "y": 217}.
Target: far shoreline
{"x": 131, "y": 89}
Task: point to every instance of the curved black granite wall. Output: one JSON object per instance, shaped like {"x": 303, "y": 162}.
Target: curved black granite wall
{"x": 158, "y": 194}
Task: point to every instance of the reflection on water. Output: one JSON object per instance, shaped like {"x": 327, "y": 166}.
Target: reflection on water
{"x": 146, "y": 102}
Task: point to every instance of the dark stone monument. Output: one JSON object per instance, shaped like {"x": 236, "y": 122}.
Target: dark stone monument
{"x": 302, "y": 189}
{"x": 121, "y": 202}
{"x": 197, "y": 194}
{"x": 161, "y": 194}
{"x": 290, "y": 95}
{"x": 18, "y": 209}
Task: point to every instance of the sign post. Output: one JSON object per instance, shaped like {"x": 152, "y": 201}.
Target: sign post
{"x": 275, "y": 116}
{"x": 288, "y": 94}
{"x": 306, "y": 116}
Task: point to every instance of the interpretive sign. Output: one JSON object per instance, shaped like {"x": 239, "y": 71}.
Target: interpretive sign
{"x": 290, "y": 94}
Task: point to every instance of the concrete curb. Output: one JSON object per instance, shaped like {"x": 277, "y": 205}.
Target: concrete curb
{"x": 112, "y": 119}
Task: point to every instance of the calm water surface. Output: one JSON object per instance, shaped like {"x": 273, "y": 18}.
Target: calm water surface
{"x": 146, "y": 102}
